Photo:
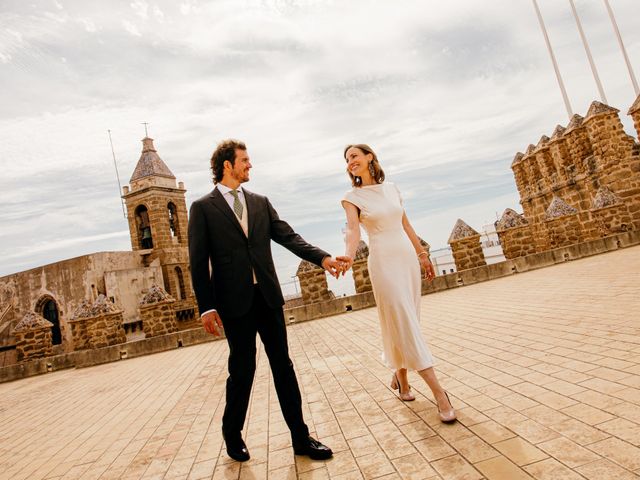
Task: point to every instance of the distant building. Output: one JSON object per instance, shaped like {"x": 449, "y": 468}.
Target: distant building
{"x": 157, "y": 217}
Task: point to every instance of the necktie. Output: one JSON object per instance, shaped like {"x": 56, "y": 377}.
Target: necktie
{"x": 237, "y": 205}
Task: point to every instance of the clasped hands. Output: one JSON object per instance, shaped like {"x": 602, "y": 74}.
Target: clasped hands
{"x": 337, "y": 266}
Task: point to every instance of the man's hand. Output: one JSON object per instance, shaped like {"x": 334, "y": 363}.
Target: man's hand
{"x": 332, "y": 265}
{"x": 212, "y": 324}
{"x": 346, "y": 262}
{"x": 338, "y": 265}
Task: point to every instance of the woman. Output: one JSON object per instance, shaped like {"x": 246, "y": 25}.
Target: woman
{"x": 395, "y": 259}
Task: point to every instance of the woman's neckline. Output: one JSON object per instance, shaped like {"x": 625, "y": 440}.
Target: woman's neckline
{"x": 372, "y": 185}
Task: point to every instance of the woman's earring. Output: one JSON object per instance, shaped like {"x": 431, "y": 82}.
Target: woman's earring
{"x": 372, "y": 170}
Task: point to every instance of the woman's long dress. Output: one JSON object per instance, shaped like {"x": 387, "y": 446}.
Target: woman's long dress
{"x": 395, "y": 275}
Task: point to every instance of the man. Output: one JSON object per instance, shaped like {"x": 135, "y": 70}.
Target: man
{"x": 235, "y": 282}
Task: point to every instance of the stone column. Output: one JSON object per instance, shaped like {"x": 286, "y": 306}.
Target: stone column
{"x": 466, "y": 247}
{"x": 360, "y": 269}
{"x": 610, "y": 143}
{"x": 33, "y": 337}
{"x": 545, "y": 163}
{"x": 562, "y": 224}
{"x": 519, "y": 174}
{"x": 560, "y": 153}
{"x": 157, "y": 313}
{"x": 313, "y": 283}
{"x": 515, "y": 235}
{"x": 578, "y": 145}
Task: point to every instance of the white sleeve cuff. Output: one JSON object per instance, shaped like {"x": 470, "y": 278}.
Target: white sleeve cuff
{"x": 208, "y": 311}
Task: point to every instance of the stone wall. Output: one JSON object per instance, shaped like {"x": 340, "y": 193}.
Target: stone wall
{"x": 360, "y": 269}
{"x": 515, "y": 235}
{"x": 589, "y": 158}
{"x": 98, "y": 324}
{"x": 157, "y": 312}
{"x": 313, "y": 283}
{"x": 466, "y": 247}
{"x": 33, "y": 337}
{"x": 68, "y": 283}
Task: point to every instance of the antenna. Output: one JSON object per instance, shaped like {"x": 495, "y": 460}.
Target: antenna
{"x": 594, "y": 70}
{"x": 634, "y": 82}
{"x": 115, "y": 164}
{"x": 146, "y": 134}
{"x": 553, "y": 60}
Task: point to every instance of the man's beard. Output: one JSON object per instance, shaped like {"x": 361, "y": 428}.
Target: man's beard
{"x": 241, "y": 177}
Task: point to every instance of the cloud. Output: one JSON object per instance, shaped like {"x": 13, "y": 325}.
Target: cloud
{"x": 131, "y": 28}
{"x": 446, "y": 93}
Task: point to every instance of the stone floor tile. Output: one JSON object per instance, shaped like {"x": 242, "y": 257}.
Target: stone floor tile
{"x": 414, "y": 467}
{"x": 473, "y": 449}
{"x": 500, "y": 468}
{"x": 284, "y": 473}
{"x": 318, "y": 474}
{"x": 374, "y": 465}
{"x": 434, "y": 448}
{"x": 455, "y": 468}
{"x": 533, "y": 431}
{"x": 623, "y": 429}
{"x": 579, "y": 432}
{"x": 587, "y": 414}
{"x": 545, "y": 416}
{"x": 568, "y": 452}
{"x": 520, "y": 451}
{"x": 551, "y": 469}
{"x": 491, "y": 432}
{"x": 605, "y": 470}
{"x": 416, "y": 431}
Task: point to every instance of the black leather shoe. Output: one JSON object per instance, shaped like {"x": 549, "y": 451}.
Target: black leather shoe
{"x": 313, "y": 449}
{"x": 237, "y": 449}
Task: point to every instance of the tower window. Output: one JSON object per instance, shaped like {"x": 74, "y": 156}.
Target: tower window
{"x": 144, "y": 227}
{"x": 181, "y": 289}
{"x": 174, "y": 225}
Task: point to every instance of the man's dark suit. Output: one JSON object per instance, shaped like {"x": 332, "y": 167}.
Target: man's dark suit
{"x": 216, "y": 237}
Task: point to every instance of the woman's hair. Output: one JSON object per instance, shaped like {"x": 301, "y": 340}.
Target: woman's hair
{"x": 226, "y": 150}
{"x": 378, "y": 175}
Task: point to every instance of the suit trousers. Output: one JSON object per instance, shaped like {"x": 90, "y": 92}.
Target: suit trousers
{"x": 241, "y": 336}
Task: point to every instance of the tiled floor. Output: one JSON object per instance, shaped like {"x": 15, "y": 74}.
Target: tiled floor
{"x": 543, "y": 367}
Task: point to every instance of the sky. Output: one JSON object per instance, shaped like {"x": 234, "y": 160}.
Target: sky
{"x": 445, "y": 92}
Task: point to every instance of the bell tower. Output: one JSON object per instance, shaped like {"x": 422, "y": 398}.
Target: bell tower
{"x": 157, "y": 215}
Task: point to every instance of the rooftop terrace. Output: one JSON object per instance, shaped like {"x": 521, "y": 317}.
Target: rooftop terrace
{"x": 543, "y": 368}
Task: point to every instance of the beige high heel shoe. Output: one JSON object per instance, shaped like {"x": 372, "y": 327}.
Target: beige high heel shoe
{"x": 405, "y": 397}
{"x": 448, "y": 416}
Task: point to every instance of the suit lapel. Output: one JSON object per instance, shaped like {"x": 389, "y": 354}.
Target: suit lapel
{"x": 222, "y": 205}
{"x": 252, "y": 209}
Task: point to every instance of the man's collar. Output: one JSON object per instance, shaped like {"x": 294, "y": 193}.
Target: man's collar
{"x": 224, "y": 189}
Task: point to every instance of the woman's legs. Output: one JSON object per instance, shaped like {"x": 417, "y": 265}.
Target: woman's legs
{"x": 401, "y": 375}
{"x": 429, "y": 376}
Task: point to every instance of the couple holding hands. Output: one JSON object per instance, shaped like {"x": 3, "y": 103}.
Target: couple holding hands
{"x": 237, "y": 290}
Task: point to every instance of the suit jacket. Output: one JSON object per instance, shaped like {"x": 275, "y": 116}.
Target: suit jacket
{"x": 216, "y": 238}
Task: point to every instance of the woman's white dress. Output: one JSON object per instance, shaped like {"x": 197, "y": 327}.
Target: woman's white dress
{"x": 395, "y": 275}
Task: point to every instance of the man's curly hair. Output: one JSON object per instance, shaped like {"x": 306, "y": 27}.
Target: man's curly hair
{"x": 226, "y": 150}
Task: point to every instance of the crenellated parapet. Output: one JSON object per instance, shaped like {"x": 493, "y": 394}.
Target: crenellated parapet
{"x": 313, "y": 283}
{"x": 566, "y": 183}
{"x": 466, "y": 247}
{"x": 515, "y": 235}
